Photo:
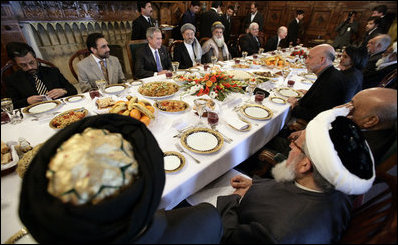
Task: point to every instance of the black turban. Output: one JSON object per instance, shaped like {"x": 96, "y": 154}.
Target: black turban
{"x": 115, "y": 220}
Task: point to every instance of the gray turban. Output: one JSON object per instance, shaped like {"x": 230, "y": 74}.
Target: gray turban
{"x": 188, "y": 26}
{"x": 216, "y": 25}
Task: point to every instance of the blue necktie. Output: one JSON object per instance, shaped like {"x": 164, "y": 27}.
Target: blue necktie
{"x": 158, "y": 64}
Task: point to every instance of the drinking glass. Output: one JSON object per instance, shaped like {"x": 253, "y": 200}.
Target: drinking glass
{"x": 169, "y": 74}
{"x": 200, "y": 108}
{"x": 290, "y": 83}
{"x": 260, "y": 51}
{"x": 101, "y": 84}
{"x": 250, "y": 88}
{"x": 94, "y": 93}
{"x": 244, "y": 54}
{"x": 175, "y": 65}
{"x": 8, "y": 107}
{"x": 213, "y": 60}
{"x": 212, "y": 119}
{"x": 237, "y": 61}
{"x": 259, "y": 97}
{"x": 206, "y": 66}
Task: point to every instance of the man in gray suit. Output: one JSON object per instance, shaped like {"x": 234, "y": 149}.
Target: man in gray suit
{"x": 99, "y": 65}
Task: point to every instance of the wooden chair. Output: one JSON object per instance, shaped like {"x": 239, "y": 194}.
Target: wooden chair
{"x": 132, "y": 46}
{"x": 79, "y": 55}
{"x": 11, "y": 67}
{"x": 390, "y": 80}
{"x": 203, "y": 40}
{"x": 172, "y": 46}
{"x": 239, "y": 48}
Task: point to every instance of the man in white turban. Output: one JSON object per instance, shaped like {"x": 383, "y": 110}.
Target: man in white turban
{"x": 216, "y": 45}
{"x": 308, "y": 200}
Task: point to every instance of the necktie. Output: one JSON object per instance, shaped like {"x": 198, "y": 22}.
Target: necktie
{"x": 41, "y": 88}
{"x": 150, "y": 22}
{"x": 158, "y": 64}
{"x": 104, "y": 70}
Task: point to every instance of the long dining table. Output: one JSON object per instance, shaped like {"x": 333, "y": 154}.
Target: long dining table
{"x": 192, "y": 176}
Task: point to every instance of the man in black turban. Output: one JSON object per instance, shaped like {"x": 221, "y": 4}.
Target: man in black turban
{"x": 131, "y": 216}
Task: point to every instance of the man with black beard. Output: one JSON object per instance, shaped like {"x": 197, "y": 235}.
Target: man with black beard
{"x": 33, "y": 82}
{"x": 305, "y": 202}
{"x": 100, "y": 65}
{"x": 216, "y": 45}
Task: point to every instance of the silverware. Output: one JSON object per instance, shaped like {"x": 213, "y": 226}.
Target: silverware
{"x": 21, "y": 233}
{"x": 182, "y": 150}
{"x": 182, "y": 131}
{"x": 62, "y": 101}
{"x": 226, "y": 138}
{"x": 20, "y": 113}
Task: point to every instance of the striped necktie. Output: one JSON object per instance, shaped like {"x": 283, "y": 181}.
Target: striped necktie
{"x": 104, "y": 70}
{"x": 41, "y": 88}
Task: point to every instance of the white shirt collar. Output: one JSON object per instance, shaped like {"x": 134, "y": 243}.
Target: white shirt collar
{"x": 306, "y": 188}
{"x": 97, "y": 60}
{"x": 372, "y": 31}
{"x": 146, "y": 17}
{"x": 214, "y": 9}
{"x": 298, "y": 21}
{"x": 254, "y": 13}
{"x": 190, "y": 51}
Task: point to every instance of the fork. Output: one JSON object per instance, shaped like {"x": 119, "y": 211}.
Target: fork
{"x": 182, "y": 150}
{"x": 226, "y": 138}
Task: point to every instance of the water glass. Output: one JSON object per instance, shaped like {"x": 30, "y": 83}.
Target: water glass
{"x": 101, "y": 85}
{"x": 260, "y": 51}
{"x": 244, "y": 54}
{"x": 250, "y": 88}
{"x": 213, "y": 60}
{"x": 200, "y": 108}
{"x": 8, "y": 107}
{"x": 175, "y": 65}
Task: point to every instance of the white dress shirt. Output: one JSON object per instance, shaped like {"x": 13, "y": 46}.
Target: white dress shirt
{"x": 252, "y": 16}
{"x": 190, "y": 52}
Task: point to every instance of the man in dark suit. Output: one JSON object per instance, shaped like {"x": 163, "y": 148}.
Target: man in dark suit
{"x": 188, "y": 53}
{"x": 30, "y": 84}
{"x": 152, "y": 59}
{"x": 250, "y": 42}
{"x": 294, "y": 28}
{"x": 275, "y": 41}
{"x": 143, "y": 22}
{"x": 254, "y": 16}
{"x": 372, "y": 30}
{"x": 226, "y": 20}
{"x": 208, "y": 18}
{"x": 385, "y": 20}
{"x": 376, "y": 47}
{"x": 188, "y": 17}
{"x": 383, "y": 66}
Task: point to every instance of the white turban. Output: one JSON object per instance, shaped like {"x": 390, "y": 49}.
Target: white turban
{"x": 322, "y": 153}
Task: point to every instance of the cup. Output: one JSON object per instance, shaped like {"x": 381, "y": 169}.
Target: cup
{"x": 237, "y": 61}
{"x": 206, "y": 66}
{"x": 5, "y": 118}
{"x": 290, "y": 83}
{"x": 212, "y": 119}
{"x": 244, "y": 54}
{"x": 169, "y": 74}
{"x": 94, "y": 93}
{"x": 260, "y": 51}
{"x": 255, "y": 56}
{"x": 101, "y": 84}
{"x": 259, "y": 97}
{"x": 175, "y": 65}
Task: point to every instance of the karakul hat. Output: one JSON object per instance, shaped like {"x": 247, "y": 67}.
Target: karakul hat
{"x": 188, "y": 26}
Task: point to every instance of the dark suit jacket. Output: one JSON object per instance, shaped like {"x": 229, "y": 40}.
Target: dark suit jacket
{"x": 199, "y": 224}
{"x": 367, "y": 37}
{"x": 249, "y": 44}
{"x": 21, "y": 85}
{"x": 187, "y": 17}
{"x": 227, "y": 24}
{"x": 258, "y": 18}
{"x": 293, "y": 32}
{"x": 140, "y": 25}
{"x": 145, "y": 65}
{"x": 328, "y": 91}
{"x": 272, "y": 43}
{"x": 181, "y": 55}
{"x": 354, "y": 79}
{"x": 371, "y": 64}
{"x": 206, "y": 20}
{"x": 372, "y": 79}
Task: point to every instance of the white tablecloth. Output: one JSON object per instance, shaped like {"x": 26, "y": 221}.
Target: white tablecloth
{"x": 179, "y": 185}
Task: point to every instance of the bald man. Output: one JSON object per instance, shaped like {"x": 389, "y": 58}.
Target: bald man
{"x": 250, "y": 42}
{"x": 329, "y": 89}
{"x": 375, "y": 111}
{"x": 274, "y": 42}
{"x": 376, "y": 47}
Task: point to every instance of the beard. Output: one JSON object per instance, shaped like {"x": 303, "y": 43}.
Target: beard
{"x": 382, "y": 60}
{"x": 105, "y": 55}
{"x": 189, "y": 41}
{"x": 219, "y": 41}
{"x": 283, "y": 173}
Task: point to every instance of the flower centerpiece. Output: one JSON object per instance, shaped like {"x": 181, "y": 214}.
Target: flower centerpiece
{"x": 300, "y": 53}
{"x": 216, "y": 84}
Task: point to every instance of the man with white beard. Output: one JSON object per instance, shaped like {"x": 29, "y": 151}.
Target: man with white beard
{"x": 386, "y": 64}
{"x": 215, "y": 46}
{"x": 308, "y": 200}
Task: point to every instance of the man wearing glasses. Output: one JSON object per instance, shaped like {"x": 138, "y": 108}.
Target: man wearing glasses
{"x": 33, "y": 83}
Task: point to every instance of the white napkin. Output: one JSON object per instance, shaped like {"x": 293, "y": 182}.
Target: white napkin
{"x": 232, "y": 101}
{"x": 237, "y": 123}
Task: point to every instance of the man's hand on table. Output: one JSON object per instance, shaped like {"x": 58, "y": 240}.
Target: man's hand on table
{"x": 56, "y": 93}
{"x": 35, "y": 99}
{"x": 241, "y": 184}
{"x": 292, "y": 101}
{"x": 162, "y": 72}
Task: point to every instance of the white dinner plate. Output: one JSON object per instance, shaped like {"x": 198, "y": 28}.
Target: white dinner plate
{"x": 74, "y": 98}
{"x": 277, "y": 100}
{"x": 258, "y": 112}
{"x": 202, "y": 140}
{"x": 173, "y": 161}
{"x": 115, "y": 88}
{"x": 14, "y": 160}
{"x": 41, "y": 107}
{"x": 289, "y": 92}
